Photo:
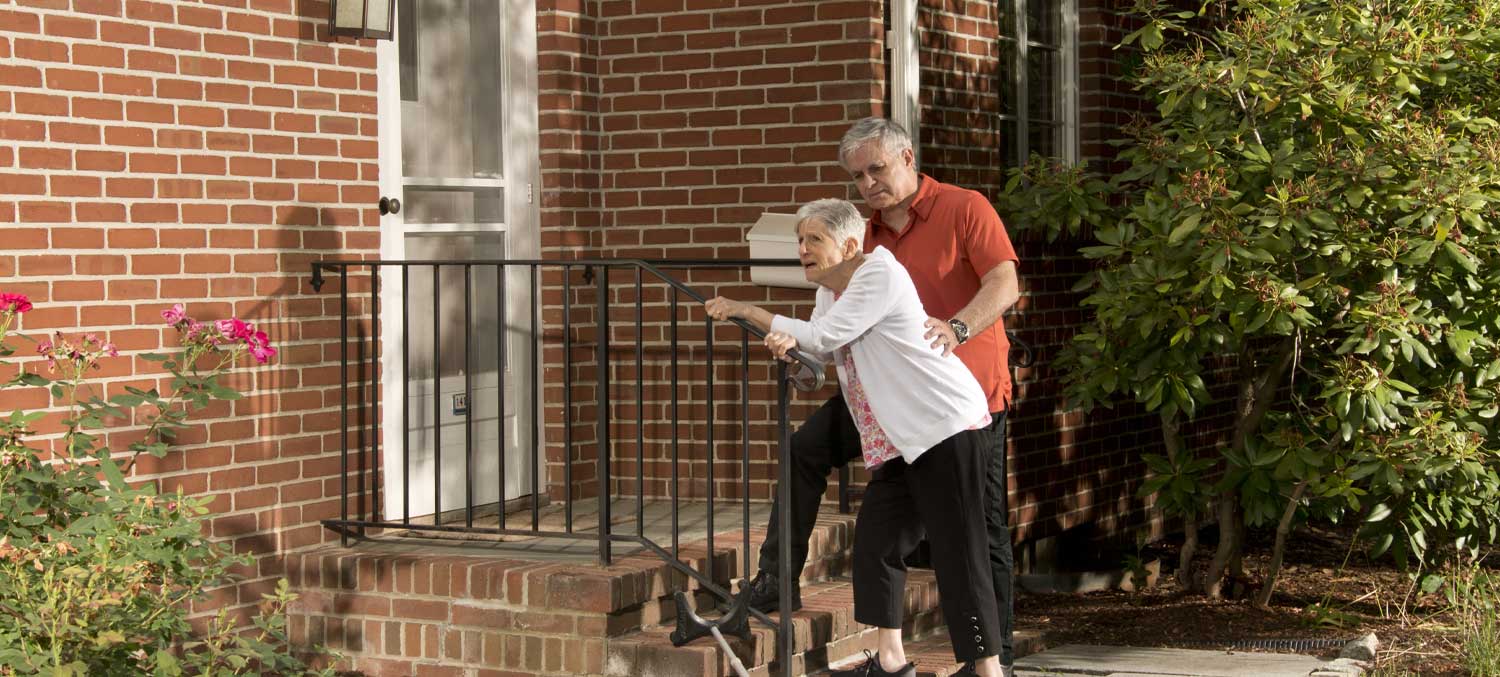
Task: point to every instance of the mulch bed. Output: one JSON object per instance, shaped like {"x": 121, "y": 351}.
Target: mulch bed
{"x": 1326, "y": 591}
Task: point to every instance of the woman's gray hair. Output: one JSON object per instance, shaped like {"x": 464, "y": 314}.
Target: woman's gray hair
{"x": 840, "y": 217}
{"x": 892, "y": 137}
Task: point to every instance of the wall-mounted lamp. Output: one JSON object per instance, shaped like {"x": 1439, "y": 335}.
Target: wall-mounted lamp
{"x": 362, "y": 18}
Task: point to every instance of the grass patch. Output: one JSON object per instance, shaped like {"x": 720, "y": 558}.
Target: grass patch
{"x": 1474, "y": 596}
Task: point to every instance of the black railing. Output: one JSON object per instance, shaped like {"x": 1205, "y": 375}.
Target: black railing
{"x": 363, "y": 498}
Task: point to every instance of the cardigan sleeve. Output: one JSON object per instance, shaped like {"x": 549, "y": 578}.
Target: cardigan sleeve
{"x": 869, "y": 298}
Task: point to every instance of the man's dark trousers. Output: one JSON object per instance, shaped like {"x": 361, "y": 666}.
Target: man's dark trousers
{"x": 828, "y": 440}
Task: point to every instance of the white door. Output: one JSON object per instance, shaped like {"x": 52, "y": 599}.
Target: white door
{"x": 458, "y": 149}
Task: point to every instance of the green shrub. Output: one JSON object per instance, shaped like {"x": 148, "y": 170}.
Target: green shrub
{"x": 1309, "y": 221}
{"x": 96, "y": 574}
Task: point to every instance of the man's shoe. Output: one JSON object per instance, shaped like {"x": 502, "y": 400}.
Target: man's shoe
{"x": 871, "y": 668}
{"x": 765, "y": 593}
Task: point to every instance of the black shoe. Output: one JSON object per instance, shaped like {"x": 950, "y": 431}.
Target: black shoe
{"x": 871, "y": 668}
{"x": 968, "y": 671}
{"x": 765, "y": 593}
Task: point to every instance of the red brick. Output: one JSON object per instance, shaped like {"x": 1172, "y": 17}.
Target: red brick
{"x": 23, "y": 184}
{"x": 40, "y": 50}
{"x": 70, "y": 27}
{"x": 153, "y": 213}
{"x": 72, "y": 80}
{"x": 22, "y": 130}
{"x": 97, "y": 109}
{"x": 33, "y": 157}
{"x": 129, "y": 85}
{"x": 30, "y": 103}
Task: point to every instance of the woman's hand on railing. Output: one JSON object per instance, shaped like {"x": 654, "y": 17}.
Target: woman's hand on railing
{"x": 780, "y": 345}
{"x": 721, "y": 308}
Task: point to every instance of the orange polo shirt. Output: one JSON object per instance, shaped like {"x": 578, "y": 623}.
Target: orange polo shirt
{"x": 952, "y": 239}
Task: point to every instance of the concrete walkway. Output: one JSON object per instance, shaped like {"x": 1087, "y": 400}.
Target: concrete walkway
{"x": 1122, "y": 661}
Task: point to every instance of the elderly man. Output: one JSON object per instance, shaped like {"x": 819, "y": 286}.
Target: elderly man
{"x": 952, "y": 243}
{"x": 922, "y": 421}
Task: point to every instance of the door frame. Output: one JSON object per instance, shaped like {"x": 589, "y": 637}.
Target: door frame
{"x": 521, "y": 160}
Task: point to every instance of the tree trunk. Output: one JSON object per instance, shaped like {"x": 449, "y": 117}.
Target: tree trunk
{"x": 1263, "y": 600}
{"x": 1258, "y": 383}
{"x": 1237, "y": 556}
{"x": 1213, "y": 581}
{"x": 1189, "y": 550}
{"x": 1172, "y": 440}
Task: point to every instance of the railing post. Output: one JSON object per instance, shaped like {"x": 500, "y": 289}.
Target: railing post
{"x": 344, "y": 401}
{"x": 784, "y": 637}
{"x": 601, "y": 286}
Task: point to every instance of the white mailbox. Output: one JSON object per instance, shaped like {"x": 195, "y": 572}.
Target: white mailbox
{"x": 774, "y": 236}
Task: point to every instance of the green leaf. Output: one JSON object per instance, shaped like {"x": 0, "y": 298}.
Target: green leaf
{"x": 112, "y": 472}
{"x": 1184, "y": 229}
{"x": 1378, "y": 513}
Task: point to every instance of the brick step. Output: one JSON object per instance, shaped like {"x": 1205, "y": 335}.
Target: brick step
{"x": 933, "y": 653}
{"x": 409, "y": 605}
{"x": 824, "y": 631}
{"x": 419, "y": 568}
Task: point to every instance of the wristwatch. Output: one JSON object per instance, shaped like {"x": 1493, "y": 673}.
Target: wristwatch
{"x": 960, "y": 330}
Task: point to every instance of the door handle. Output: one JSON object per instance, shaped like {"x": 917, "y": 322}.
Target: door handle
{"x": 389, "y": 205}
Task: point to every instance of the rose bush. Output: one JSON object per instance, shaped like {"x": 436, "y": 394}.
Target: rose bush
{"x": 97, "y": 573}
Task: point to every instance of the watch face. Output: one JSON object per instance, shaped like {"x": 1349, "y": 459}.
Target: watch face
{"x": 960, "y": 330}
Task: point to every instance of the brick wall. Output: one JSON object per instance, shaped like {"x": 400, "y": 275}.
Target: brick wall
{"x": 666, "y": 137}
{"x": 959, "y": 58}
{"x": 161, "y": 152}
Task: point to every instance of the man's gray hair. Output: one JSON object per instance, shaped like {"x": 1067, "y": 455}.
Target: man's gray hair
{"x": 840, "y": 217}
{"x": 892, "y": 137}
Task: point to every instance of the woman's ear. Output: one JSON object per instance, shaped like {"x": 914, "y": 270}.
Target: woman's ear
{"x": 851, "y": 247}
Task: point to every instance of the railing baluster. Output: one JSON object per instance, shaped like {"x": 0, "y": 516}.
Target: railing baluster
{"x": 344, "y": 399}
{"x": 568, "y": 396}
{"x": 405, "y": 402}
{"x": 784, "y": 497}
{"x": 708, "y": 327}
{"x": 502, "y": 336}
{"x": 601, "y": 370}
{"x": 437, "y": 394}
{"x": 745, "y": 447}
{"x": 640, "y": 412}
{"x": 374, "y": 401}
{"x": 676, "y": 485}
{"x": 468, "y": 395}
{"x": 536, "y": 399}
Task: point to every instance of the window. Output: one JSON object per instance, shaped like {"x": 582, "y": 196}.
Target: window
{"x": 1039, "y": 76}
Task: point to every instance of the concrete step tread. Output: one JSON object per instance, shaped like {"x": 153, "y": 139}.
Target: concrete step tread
{"x": 531, "y": 579}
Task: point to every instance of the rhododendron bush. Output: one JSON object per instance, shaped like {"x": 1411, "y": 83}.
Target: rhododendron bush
{"x": 97, "y": 572}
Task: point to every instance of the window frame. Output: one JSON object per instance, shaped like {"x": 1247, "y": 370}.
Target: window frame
{"x": 1019, "y": 122}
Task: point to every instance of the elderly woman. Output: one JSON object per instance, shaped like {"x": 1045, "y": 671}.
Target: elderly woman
{"x": 919, "y": 414}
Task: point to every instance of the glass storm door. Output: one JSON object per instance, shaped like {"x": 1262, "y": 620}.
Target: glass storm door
{"x": 457, "y": 117}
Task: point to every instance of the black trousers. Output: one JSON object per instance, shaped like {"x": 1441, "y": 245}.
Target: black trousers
{"x": 828, "y": 440}
{"x": 942, "y": 494}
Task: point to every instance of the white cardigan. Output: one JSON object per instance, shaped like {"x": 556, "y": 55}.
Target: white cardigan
{"x": 919, "y": 396}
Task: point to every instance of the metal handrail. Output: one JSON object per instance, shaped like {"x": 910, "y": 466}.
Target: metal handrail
{"x": 810, "y": 376}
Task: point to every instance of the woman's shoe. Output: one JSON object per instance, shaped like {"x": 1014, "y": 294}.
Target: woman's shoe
{"x": 871, "y": 668}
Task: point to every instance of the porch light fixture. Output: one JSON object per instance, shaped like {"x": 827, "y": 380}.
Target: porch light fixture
{"x": 362, "y": 18}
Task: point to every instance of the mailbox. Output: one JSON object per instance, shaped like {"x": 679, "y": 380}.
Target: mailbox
{"x": 774, "y": 236}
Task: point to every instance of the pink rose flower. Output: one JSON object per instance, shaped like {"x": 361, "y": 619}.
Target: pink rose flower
{"x": 174, "y": 315}
{"x": 262, "y": 353}
{"x": 233, "y": 327}
{"x": 15, "y": 303}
